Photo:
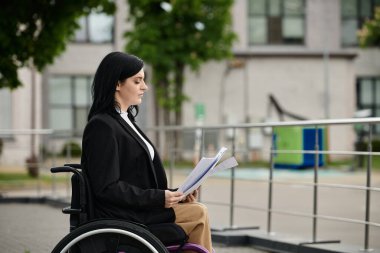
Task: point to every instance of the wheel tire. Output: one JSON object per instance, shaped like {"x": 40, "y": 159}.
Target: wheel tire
{"x": 127, "y": 229}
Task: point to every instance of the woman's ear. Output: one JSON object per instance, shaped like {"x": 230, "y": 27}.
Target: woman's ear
{"x": 118, "y": 85}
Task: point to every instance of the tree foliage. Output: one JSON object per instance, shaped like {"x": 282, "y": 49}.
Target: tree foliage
{"x": 35, "y": 32}
{"x": 369, "y": 35}
{"x": 173, "y": 35}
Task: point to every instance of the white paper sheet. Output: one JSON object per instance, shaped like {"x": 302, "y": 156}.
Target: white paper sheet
{"x": 205, "y": 168}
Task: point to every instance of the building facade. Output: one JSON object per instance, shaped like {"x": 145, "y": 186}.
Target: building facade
{"x": 304, "y": 53}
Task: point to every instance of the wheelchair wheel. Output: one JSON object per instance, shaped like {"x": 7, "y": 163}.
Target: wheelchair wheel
{"x": 106, "y": 236}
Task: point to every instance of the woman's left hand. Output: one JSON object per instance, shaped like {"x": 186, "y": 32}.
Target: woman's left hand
{"x": 192, "y": 197}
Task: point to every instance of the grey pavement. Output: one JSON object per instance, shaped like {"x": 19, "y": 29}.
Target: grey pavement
{"x": 37, "y": 228}
{"x": 347, "y": 204}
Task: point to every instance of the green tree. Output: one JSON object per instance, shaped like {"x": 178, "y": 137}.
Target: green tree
{"x": 173, "y": 35}
{"x": 369, "y": 35}
{"x": 33, "y": 33}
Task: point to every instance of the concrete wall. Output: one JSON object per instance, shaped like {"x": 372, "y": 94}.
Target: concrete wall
{"x": 315, "y": 80}
{"x": 17, "y": 148}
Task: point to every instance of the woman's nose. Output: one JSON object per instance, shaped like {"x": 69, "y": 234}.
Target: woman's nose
{"x": 145, "y": 86}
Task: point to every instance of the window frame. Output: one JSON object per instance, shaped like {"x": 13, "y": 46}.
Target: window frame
{"x": 87, "y": 31}
{"x": 358, "y": 18}
{"x": 74, "y": 129}
{"x": 7, "y": 93}
{"x": 374, "y": 105}
{"x": 267, "y": 17}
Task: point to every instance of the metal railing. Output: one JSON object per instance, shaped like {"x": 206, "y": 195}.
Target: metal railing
{"x": 270, "y": 210}
{"x": 316, "y": 185}
{"x": 46, "y": 156}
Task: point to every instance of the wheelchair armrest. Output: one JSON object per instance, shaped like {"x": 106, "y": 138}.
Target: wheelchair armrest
{"x": 69, "y": 210}
{"x": 63, "y": 169}
{"x": 74, "y": 165}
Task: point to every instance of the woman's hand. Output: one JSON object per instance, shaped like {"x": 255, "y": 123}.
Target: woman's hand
{"x": 172, "y": 198}
{"x": 192, "y": 197}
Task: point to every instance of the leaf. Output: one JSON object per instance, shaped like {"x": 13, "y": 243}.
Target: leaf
{"x": 38, "y": 31}
{"x": 369, "y": 35}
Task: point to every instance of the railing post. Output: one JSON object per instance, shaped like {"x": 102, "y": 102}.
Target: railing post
{"x": 53, "y": 164}
{"x": 39, "y": 168}
{"x": 171, "y": 167}
{"x": 201, "y": 153}
{"x": 368, "y": 190}
{"x": 270, "y": 190}
{"x": 315, "y": 188}
{"x": 172, "y": 149}
{"x": 68, "y": 178}
{"x": 202, "y": 146}
{"x": 232, "y": 190}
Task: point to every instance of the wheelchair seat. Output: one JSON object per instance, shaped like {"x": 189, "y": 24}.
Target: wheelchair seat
{"x": 88, "y": 234}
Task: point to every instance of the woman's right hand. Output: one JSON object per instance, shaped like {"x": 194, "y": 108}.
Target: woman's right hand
{"x": 172, "y": 198}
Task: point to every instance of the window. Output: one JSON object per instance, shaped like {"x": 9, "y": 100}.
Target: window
{"x": 276, "y": 21}
{"x": 95, "y": 28}
{"x": 353, "y": 15}
{"x": 368, "y": 96}
{"x": 70, "y": 101}
{"x": 5, "y": 109}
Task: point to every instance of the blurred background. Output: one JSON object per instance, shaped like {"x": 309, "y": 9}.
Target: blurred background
{"x": 225, "y": 73}
{"x": 207, "y": 63}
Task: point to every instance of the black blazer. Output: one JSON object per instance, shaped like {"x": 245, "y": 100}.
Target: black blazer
{"x": 125, "y": 182}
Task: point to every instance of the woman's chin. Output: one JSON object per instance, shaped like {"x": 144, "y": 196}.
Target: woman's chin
{"x": 138, "y": 102}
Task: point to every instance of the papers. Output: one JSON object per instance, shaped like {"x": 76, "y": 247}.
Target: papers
{"x": 205, "y": 168}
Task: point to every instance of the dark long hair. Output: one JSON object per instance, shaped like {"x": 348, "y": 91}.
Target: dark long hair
{"x": 115, "y": 67}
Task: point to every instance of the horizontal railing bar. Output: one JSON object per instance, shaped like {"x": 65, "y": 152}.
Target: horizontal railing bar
{"x": 324, "y": 152}
{"x": 334, "y": 218}
{"x": 25, "y": 131}
{"x": 240, "y": 206}
{"x": 300, "y": 214}
{"x": 325, "y": 185}
{"x": 372, "y": 120}
{"x": 343, "y": 186}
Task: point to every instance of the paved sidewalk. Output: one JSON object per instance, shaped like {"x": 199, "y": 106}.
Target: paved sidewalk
{"x": 37, "y": 228}
{"x": 22, "y": 227}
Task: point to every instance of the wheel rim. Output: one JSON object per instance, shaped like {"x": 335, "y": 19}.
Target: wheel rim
{"x": 108, "y": 230}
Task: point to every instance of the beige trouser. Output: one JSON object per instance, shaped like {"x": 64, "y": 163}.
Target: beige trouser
{"x": 193, "y": 219}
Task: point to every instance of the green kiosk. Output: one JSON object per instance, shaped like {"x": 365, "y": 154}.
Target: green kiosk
{"x": 297, "y": 138}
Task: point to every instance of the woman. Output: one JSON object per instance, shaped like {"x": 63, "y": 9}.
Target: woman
{"x": 124, "y": 169}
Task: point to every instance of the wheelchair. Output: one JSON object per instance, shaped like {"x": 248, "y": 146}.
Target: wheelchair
{"x": 112, "y": 235}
